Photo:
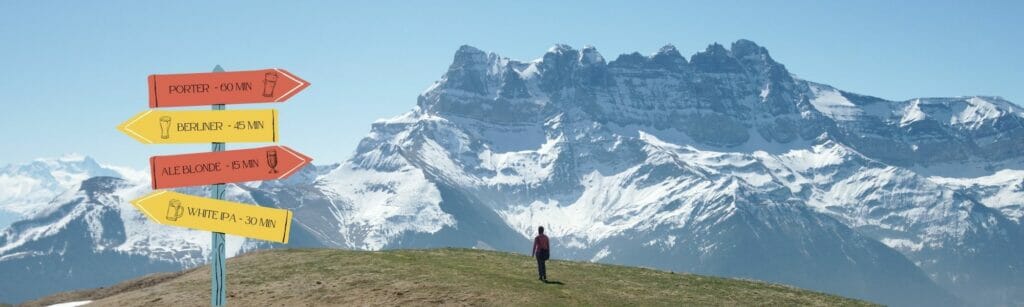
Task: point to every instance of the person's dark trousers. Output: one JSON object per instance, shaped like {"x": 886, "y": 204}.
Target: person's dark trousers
{"x": 542, "y": 256}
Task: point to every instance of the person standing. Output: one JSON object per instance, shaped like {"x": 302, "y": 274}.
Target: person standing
{"x": 542, "y": 251}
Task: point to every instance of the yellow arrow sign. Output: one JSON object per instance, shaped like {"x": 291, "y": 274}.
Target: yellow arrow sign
{"x": 176, "y": 209}
{"x": 205, "y": 126}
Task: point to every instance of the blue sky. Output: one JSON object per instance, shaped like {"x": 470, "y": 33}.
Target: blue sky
{"x": 76, "y": 69}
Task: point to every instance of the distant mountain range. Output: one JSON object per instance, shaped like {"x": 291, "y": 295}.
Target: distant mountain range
{"x": 724, "y": 163}
{"x": 28, "y": 187}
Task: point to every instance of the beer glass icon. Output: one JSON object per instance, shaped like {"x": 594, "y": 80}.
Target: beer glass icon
{"x": 174, "y": 210}
{"x": 272, "y": 160}
{"x": 269, "y": 82}
{"x": 165, "y": 127}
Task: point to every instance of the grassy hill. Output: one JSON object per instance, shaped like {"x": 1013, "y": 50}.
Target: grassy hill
{"x": 297, "y": 277}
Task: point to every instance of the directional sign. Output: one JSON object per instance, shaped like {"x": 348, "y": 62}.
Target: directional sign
{"x": 176, "y": 209}
{"x": 267, "y": 85}
{"x": 264, "y": 163}
{"x": 205, "y": 126}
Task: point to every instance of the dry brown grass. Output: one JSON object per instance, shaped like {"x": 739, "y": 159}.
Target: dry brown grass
{"x": 321, "y": 277}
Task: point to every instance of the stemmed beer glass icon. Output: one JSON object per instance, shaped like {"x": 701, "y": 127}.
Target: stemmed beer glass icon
{"x": 272, "y": 160}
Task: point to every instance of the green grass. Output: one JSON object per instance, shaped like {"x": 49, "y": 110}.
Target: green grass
{"x": 315, "y": 277}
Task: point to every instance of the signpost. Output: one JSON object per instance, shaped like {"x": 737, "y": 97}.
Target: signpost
{"x": 176, "y": 127}
{"x": 216, "y": 168}
{"x": 182, "y": 210}
{"x": 266, "y": 85}
{"x": 218, "y": 253}
{"x": 264, "y": 163}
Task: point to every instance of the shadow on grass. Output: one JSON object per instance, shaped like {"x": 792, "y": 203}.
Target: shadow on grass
{"x": 554, "y": 282}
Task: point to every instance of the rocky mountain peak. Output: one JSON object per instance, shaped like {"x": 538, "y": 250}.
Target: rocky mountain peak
{"x": 669, "y": 57}
{"x": 469, "y": 70}
{"x": 716, "y": 59}
{"x": 590, "y": 56}
{"x": 745, "y": 48}
{"x": 468, "y": 55}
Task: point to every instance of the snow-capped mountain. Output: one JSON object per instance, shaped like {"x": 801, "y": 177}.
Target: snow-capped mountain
{"x": 91, "y": 236}
{"x": 724, "y": 163}
{"x": 28, "y": 187}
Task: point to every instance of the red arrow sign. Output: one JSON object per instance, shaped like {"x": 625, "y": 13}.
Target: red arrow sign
{"x": 267, "y": 85}
{"x": 264, "y": 163}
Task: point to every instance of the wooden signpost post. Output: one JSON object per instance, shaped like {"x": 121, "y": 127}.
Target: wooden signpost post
{"x": 219, "y": 167}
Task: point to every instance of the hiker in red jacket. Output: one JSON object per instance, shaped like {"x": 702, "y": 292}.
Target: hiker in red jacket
{"x": 542, "y": 251}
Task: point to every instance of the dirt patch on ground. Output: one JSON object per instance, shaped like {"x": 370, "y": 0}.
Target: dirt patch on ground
{"x": 99, "y": 293}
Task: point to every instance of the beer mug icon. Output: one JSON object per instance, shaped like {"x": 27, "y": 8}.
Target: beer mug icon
{"x": 165, "y": 127}
{"x": 269, "y": 82}
{"x": 174, "y": 210}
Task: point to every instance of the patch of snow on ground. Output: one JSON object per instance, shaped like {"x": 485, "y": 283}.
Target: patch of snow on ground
{"x": 71, "y": 304}
{"x": 976, "y": 112}
{"x": 831, "y": 102}
{"x": 902, "y": 244}
{"x": 1003, "y": 190}
{"x": 912, "y": 113}
{"x": 600, "y": 255}
{"x": 385, "y": 204}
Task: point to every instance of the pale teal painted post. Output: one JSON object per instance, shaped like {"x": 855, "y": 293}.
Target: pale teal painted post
{"x": 218, "y": 282}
